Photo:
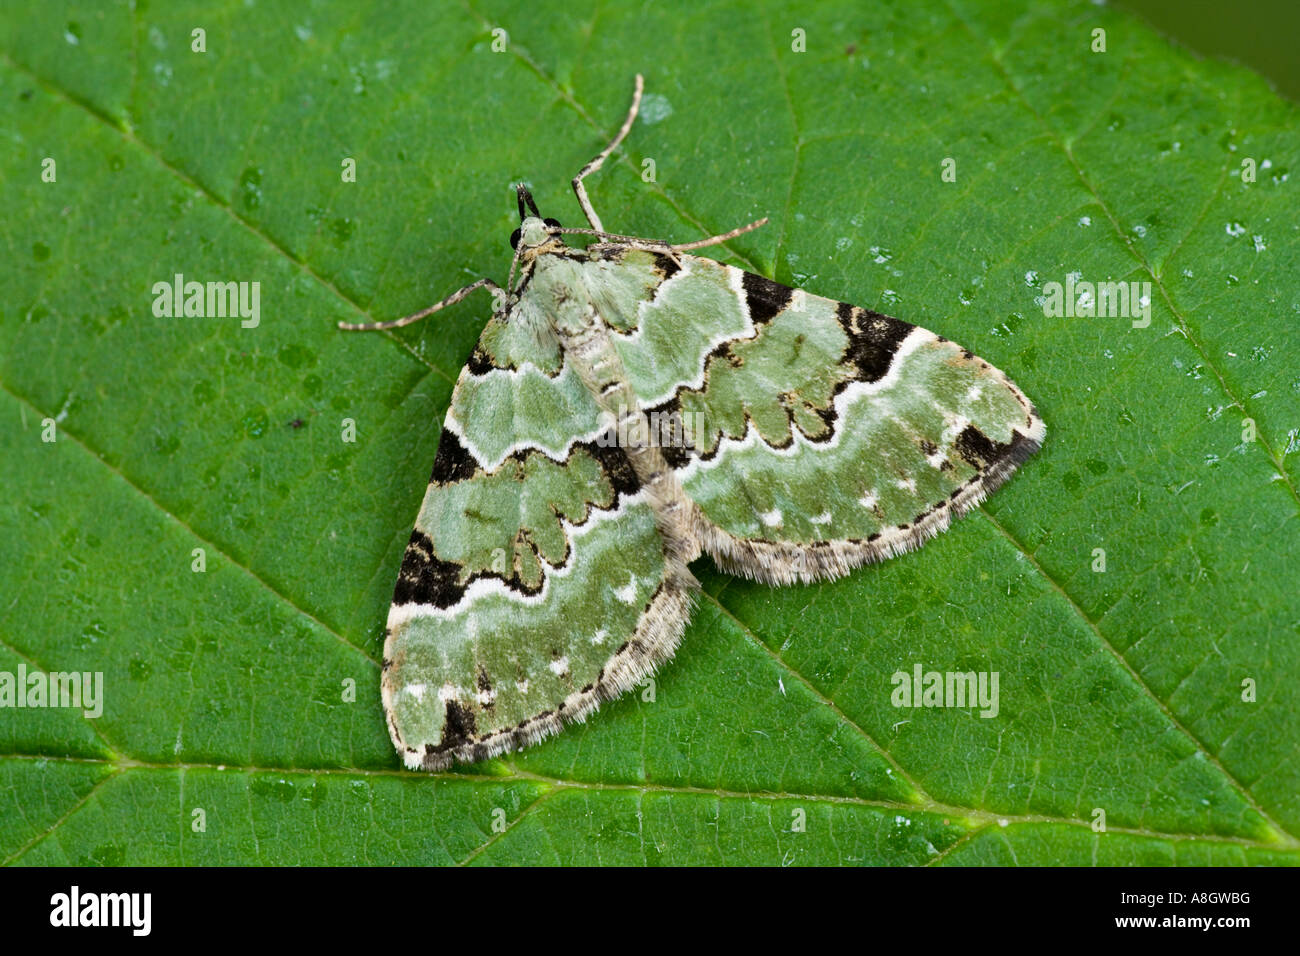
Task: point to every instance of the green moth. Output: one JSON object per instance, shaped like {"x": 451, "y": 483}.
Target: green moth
{"x": 628, "y": 408}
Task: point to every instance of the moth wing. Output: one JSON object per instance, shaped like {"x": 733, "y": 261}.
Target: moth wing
{"x": 535, "y": 583}
{"x": 816, "y": 435}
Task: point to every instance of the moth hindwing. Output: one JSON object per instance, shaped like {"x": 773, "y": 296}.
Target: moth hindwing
{"x": 629, "y": 407}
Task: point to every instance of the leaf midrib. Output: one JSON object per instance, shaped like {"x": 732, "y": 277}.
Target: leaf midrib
{"x": 977, "y": 819}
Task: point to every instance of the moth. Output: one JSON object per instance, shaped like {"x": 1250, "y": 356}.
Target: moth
{"x": 630, "y": 407}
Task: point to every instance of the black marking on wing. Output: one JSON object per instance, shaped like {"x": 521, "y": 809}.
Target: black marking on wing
{"x": 485, "y": 688}
{"x": 666, "y": 266}
{"x": 873, "y": 339}
{"x": 480, "y": 363}
{"x": 982, "y": 452}
{"x": 458, "y": 728}
{"x": 425, "y": 578}
{"x": 764, "y": 297}
{"x": 676, "y": 456}
{"x": 453, "y": 462}
{"x": 617, "y": 466}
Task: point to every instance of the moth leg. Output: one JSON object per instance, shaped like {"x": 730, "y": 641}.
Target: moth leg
{"x": 600, "y": 158}
{"x": 452, "y": 299}
{"x": 714, "y": 240}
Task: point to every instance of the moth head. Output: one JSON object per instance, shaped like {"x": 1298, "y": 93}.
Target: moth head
{"x": 533, "y": 230}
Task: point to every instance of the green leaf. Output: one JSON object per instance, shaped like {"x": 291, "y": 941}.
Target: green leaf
{"x": 772, "y": 738}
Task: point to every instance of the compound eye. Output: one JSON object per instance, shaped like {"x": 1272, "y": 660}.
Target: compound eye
{"x": 514, "y": 238}
{"x": 552, "y": 223}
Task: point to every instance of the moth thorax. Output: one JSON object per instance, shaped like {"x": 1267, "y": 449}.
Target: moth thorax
{"x": 581, "y": 329}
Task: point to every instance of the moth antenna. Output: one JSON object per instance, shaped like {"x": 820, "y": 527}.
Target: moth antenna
{"x": 613, "y": 235}
{"x": 599, "y": 159}
{"x": 664, "y": 244}
{"x": 524, "y": 196}
{"x": 416, "y": 316}
{"x": 714, "y": 240}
